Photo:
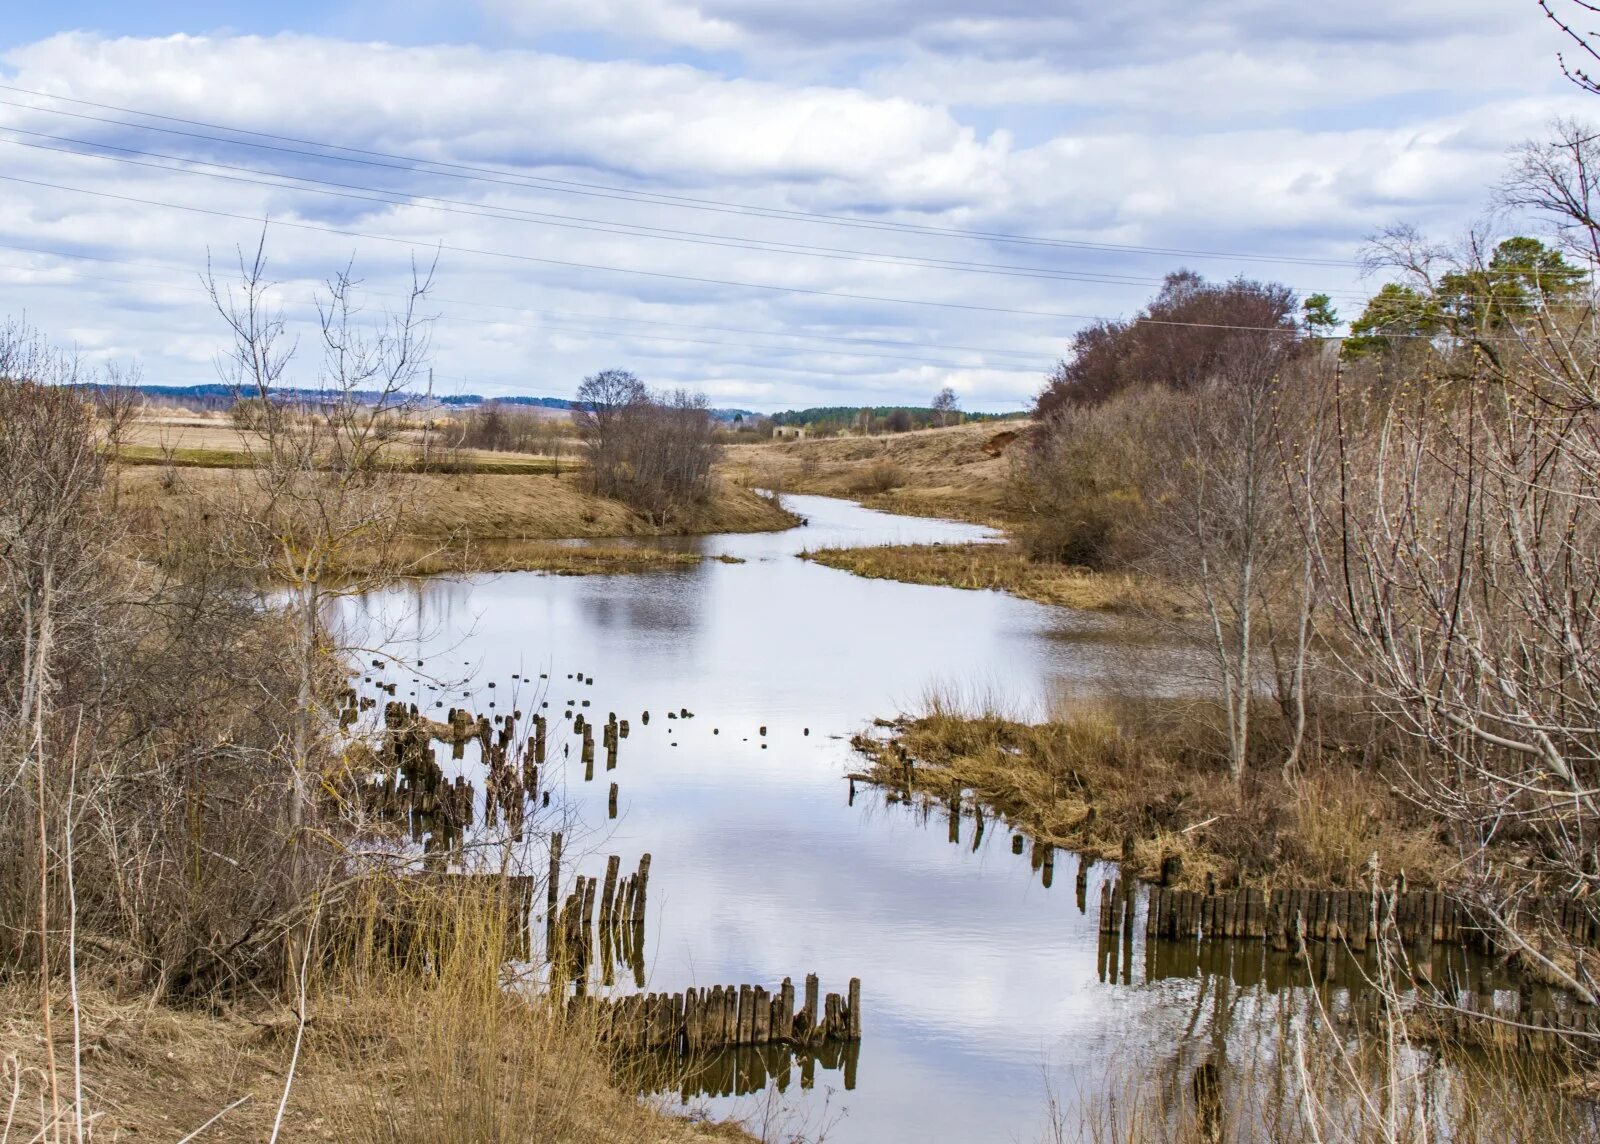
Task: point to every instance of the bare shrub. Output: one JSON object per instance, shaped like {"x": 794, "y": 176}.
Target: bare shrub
{"x": 1078, "y": 489}
{"x": 881, "y": 476}
{"x": 653, "y": 452}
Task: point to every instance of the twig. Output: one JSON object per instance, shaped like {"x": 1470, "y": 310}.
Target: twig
{"x": 219, "y": 1115}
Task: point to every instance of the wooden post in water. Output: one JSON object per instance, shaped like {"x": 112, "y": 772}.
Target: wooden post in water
{"x": 785, "y": 1021}
{"x": 761, "y": 1022}
{"x": 808, "y": 1014}
{"x": 611, "y": 803}
{"x": 853, "y": 1032}
{"x": 552, "y": 888}
{"x": 644, "y": 883}
{"x": 747, "y": 1017}
{"x": 608, "y": 898}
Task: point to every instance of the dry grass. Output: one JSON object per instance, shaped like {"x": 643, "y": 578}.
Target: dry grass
{"x": 462, "y": 521}
{"x": 436, "y": 1041}
{"x": 218, "y": 443}
{"x": 998, "y": 567}
{"x": 1144, "y": 787}
{"x": 466, "y": 461}
{"x": 547, "y": 556}
{"x": 958, "y": 473}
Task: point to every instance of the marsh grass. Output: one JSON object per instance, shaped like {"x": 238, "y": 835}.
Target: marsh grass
{"x": 418, "y": 1026}
{"x": 545, "y": 556}
{"x": 1142, "y": 784}
{"x": 443, "y": 1039}
{"x": 996, "y": 567}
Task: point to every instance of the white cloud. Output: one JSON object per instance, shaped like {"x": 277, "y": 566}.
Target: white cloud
{"x": 1209, "y": 135}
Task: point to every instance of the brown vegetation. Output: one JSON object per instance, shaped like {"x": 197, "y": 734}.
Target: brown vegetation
{"x": 997, "y": 567}
{"x": 653, "y": 452}
{"x": 955, "y": 472}
{"x": 547, "y": 556}
{"x": 200, "y": 919}
{"x": 1148, "y": 785}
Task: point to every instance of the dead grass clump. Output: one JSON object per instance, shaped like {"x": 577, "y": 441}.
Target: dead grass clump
{"x": 1149, "y": 789}
{"x": 879, "y": 477}
{"x": 419, "y": 1027}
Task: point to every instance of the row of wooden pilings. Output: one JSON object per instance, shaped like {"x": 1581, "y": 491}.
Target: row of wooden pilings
{"x": 571, "y": 933}
{"x": 1286, "y": 918}
{"x": 702, "y": 1020}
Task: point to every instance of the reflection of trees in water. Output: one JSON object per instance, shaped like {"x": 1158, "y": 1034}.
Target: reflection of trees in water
{"x": 1235, "y": 1041}
{"x": 1270, "y": 1062}
{"x": 668, "y": 602}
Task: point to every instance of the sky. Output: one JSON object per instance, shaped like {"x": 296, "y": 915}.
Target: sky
{"x": 777, "y": 204}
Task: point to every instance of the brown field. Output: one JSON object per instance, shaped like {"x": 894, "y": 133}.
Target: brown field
{"x": 197, "y": 442}
{"x": 996, "y": 567}
{"x": 958, "y": 473}
{"x": 485, "y": 522}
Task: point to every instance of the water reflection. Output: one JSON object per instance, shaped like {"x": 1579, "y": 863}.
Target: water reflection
{"x": 981, "y": 969}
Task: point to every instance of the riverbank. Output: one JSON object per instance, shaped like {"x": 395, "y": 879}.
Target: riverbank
{"x": 956, "y": 473}
{"x": 1143, "y": 789}
{"x": 996, "y": 567}
{"x": 474, "y": 522}
{"x": 158, "y": 1072}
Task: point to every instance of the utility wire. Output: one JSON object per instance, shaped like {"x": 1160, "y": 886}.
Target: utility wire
{"x": 569, "y": 315}
{"x": 562, "y": 325}
{"x": 516, "y": 214}
{"x": 805, "y": 291}
{"x": 416, "y": 165}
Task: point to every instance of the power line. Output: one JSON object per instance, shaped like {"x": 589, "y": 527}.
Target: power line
{"x": 559, "y": 324}
{"x": 416, "y": 165}
{"x": 658, "y": 274}
{"x": 516, "y": 214}
{"x": 570, "y": 315}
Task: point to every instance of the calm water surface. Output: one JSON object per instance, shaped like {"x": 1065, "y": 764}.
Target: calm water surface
{"x": 981, "y": 990}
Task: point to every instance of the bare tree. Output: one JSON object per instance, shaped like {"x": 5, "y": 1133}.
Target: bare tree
{"x": 1559, "y": 178}
{"x": 118, "y": 401}
{"x": 653, "y": 453}
{"x": 946, "y": 407}
{"x": 1467, "y": 567}
{"x": 1220, "y": 524}
{"x": 321, "y": 507}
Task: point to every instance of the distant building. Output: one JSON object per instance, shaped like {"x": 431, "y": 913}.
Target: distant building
{"x": 789, "y": 432}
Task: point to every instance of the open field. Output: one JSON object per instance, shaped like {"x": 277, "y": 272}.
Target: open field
{"x": 480, "y": 521}
{"x": 958, "y": 473}
{"x": 191, "y": 442}
{"x": 996, "y": 567}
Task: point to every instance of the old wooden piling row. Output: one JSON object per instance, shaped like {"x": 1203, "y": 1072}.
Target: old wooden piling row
{"x": 572, "y": 936}
{"x": 721, "y": 1017}
{"x": 413, "y": 784}
{"x": 1286, "y": 918}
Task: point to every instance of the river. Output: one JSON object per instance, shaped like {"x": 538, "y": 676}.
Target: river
{"x": 982, "y": 995}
